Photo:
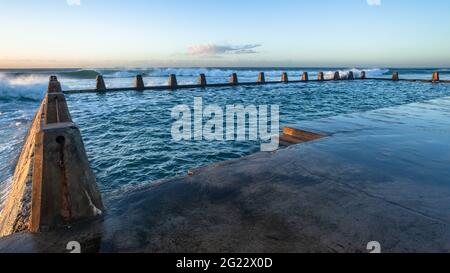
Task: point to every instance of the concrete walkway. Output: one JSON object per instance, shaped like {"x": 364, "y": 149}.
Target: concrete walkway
{"x": 380, "y": 176}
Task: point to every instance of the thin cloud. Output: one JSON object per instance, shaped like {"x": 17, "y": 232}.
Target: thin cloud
{"x": 73, "y": 2}
{"x": 374, "y": 2}
{"x": 215, "y": 50}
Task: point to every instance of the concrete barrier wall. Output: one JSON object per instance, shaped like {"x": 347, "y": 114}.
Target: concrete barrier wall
{"x": 173, "y": 84}
{"x": 53, "y": 184}
{"x": 17, "y": 210}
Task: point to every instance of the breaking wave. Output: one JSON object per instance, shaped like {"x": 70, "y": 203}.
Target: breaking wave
{"x": 31, "y": 86}
{"x": 209, "y": 72}
{"x": 225, "y": 72}
{"x": 371, "y": 73}
{"x": 79, "y": 74}
{"x": 216, "y": 72}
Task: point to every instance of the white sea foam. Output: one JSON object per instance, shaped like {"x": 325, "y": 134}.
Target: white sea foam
{"x": 213, "y": 72}
{"x": 209, "y": 72}
{"x": 5, "y": 188}
{"x": 373, "y": 72}
{"x": 31, "y": 86}
{"x": 226, "y": 72}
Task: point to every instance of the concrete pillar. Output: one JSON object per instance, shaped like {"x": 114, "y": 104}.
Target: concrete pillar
{"x": 234, "y": 79}
{"x": 261, "y": 77}
{"x": 173, "y": 81}
{"x": 395, "y": 76}
{"x": 436, "y": 77}
{"x": 100, "y": 85}
{"x": 336, "y": 76}
{"x": 56, "y": 110}
{"x": 202, "y": 80}
{"x": 363, "y": 75}
{"x": 305, "y": 77}
{"x": 351, "y": 76}
{"x": 139, "y": 83}
{"x": 320, "y": 77}
{"x": 53, "y": 85}
{"x": 284, "y": 77}
{"x": 64, "y": 189}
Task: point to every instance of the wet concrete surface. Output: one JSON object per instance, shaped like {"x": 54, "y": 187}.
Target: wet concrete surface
{"x": 380, "y": 176}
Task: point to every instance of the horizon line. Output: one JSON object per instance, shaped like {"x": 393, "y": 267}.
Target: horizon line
{"x": 227, "y": 66}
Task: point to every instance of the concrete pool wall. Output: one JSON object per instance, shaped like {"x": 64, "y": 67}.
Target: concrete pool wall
{"x": 53, "y": 185}
{"x": 234, "y": 81}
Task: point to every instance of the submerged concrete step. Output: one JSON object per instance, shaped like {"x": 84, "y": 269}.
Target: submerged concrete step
{"x": 292, "y": 136}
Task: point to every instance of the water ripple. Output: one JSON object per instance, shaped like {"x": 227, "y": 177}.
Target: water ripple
{"x": 128, "y": 140}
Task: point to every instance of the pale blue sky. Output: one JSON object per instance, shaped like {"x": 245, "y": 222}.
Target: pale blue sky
{"x": 224, "y": 33}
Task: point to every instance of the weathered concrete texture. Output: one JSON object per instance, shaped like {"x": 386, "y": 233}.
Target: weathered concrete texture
{"x": 65, "y": 190}
{"x": 291, "y": 136}
{"x": 100, "y": 83}
{"x": 350, "y": 76}
{"x": 379, "y": 176}
{"x": 202, "y": 80}
{"x": 173, "y": 83}
{"x": 261, "y": 77}
{"x": 53, "y": 85}
{"x": 305, "y": 77}
{"x": 363, "y": 75}
{"x": 435, "y": 77}
{"x": 336, "y": 76}
{"x": 56, "y": 109}
{"x": 234, "y": 79}
{"x": 88, "y": 234}
{"x": 320, "y": 76}
{"x": 395, "y": 76}
{"x": 53, "y": 185}
{"x": 139, "y": 83}
{"x": 16, "y": 213}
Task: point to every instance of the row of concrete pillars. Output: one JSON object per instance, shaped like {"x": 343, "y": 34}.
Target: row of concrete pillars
{"x": 435, "y": 77}
{"x": 172, "y": 83}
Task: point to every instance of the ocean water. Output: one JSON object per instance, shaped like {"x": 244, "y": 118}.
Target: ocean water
{"x": 128, "y": 134}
